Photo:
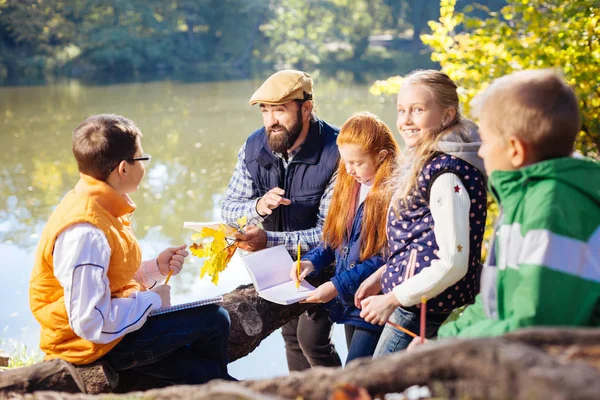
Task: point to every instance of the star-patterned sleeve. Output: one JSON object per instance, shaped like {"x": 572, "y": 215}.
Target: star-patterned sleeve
{"x": 449, "y": 205}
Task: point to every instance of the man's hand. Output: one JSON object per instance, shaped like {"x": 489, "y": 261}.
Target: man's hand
{"x": 322, "y": 294}
{"x": 271, "y": 200}
{"x": 171, "y": 259}
{"x": 306, "y": 267}
{"x": 377, "y": 309}
{"x": 164, "y": 291}
{"x": 369, "y": 287}
{"x": 254, "y": 239}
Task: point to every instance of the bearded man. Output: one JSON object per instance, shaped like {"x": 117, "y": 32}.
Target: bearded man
{"x": 284, "y": 179}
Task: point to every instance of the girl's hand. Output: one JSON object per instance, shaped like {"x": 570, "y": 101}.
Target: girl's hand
{"x": 377, "y": 309}
{"x": 369, "y": 287}
{"x": 306, "y": 267}
{"x": 322, "y": 294}
{"x": 416, "y": 342}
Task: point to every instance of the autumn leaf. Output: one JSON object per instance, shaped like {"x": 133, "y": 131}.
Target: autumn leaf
{"x": 218, "y": 252}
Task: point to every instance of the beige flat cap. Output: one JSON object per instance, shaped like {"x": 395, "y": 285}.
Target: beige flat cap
{"x": 284, "y": 86}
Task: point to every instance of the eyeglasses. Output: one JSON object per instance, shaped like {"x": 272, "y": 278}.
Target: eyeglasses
{"x": 145, "y": 158}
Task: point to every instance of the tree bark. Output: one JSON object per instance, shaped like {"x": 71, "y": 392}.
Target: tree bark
{"x": 56, "y": 375}
{"x": 554, "y": 363}
{"x": 253, "y": 319}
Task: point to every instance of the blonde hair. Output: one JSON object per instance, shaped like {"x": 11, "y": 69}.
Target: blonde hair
{"x": 412, "y": 161}
{"x": 537, "y": 106}
{"x": 372, "y": 136}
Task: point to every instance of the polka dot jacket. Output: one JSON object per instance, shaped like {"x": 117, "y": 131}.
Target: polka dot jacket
{"x": 411, "y": 238}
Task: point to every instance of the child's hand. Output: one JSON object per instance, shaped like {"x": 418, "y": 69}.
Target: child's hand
{"x": 377, "y": 309}
{"x": 369, "y": 287}
{"x": 306, "y": 267}
{"x": 322, "y": 294}
{"x": 171, "y": 259}
{"x": 416, "y": 342}
{"x": 164, "y": 291}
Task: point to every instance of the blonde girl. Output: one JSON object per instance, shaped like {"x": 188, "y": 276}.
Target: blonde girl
{"x": 436, "y": 221}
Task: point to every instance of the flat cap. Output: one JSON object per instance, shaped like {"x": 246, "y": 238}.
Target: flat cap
{"x": 284, "y": 86}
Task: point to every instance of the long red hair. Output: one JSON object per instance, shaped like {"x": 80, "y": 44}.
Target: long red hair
{"x": 372, "y": 136}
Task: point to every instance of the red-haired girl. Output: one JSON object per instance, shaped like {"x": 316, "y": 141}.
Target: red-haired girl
{"x": 354, "y": 231}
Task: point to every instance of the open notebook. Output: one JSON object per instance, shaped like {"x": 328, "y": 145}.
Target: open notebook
{"x": 269, "y": 270}
{"x": 185, "y": 306}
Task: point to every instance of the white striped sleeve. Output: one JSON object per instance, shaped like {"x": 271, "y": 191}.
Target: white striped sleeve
{"x": 449, "y": 204}
{"x": 81, "y": 260}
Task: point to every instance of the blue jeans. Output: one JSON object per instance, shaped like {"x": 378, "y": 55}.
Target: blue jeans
{"x": 393, "y": 340}
{"x": 361, "y": 342}
{"x": 181, "y": 347}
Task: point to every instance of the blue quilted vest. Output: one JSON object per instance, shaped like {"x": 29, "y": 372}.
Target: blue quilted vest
{"x": 304, "y": 180}
{"x": 411, "y": 239}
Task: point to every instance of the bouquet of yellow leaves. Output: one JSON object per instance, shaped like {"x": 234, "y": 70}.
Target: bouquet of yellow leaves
{"x": 219, "y": 251}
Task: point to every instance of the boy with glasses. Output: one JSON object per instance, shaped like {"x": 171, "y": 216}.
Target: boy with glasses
{"x": 91, "y": 292}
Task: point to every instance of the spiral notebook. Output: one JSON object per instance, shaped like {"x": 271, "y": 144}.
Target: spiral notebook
{"x": 185, "y": 306}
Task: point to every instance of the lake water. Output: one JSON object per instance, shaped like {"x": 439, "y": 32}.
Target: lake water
{"x": 193, "y": 132}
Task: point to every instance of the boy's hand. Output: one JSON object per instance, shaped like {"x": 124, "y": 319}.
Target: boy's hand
{"x": 171, "y": 259}
{"x": 369, "y": 287}
{"x": 254, "y": 239}
{"x": 377, "y": 309}
{"x": 164, "y": 291}
{"x": 416, "y": 342}
{"x": 306, "y": 267}
{"x": 322, "y": 294}
{"x": 270, "y": 201}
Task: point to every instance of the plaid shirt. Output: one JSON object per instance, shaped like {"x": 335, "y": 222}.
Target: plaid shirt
{"x": 242, "y": 197}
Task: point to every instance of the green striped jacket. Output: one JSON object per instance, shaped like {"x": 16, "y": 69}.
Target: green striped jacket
{"x": 543, "y": 267}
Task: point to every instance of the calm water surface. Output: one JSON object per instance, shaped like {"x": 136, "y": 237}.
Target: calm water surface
{"x": 192, "y": 131}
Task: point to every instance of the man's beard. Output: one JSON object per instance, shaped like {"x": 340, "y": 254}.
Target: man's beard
{"x": 282, "y": 141}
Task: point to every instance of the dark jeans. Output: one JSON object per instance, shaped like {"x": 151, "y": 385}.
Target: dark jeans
{"x": 392, "y": 340}
{"x": 308, "y": 341}
{"x": 182, "y": 347}
{"x": 361, "y": 342}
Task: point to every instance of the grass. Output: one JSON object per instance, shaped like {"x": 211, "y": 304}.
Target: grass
{"x": 20, "y": 355}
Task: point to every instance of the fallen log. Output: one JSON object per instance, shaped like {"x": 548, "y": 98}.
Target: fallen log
{"x": 56, "y": 375}
{"x": 252, "y": 320}
{"x": 489, "y": 368}
{"x": 531, "y": 363}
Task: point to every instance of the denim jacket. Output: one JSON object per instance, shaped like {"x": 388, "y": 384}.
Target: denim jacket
{"x": 350, "y": 272}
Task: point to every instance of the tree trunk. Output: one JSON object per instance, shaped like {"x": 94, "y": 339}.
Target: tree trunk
{"x": 252, "y": 320}
{"x": 533, "y": 363}
{"x": 56, "y": 375}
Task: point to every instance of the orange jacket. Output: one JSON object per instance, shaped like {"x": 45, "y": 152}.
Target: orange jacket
{"x": 94, "y": 202}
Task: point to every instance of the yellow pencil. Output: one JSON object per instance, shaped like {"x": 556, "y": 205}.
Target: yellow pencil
{"x": 168, "y": 277}
{"x": 298, "y": 267}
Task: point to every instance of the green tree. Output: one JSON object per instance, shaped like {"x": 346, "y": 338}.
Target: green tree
{"x": 305, "y": 33}
{"x": 524, "y": 34}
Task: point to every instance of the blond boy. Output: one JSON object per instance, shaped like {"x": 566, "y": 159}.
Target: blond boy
{"x": 544, "y": 257}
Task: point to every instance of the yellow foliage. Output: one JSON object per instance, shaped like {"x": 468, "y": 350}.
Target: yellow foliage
{"x": 525, "y": 34}
{"x": 218, "y": 252}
